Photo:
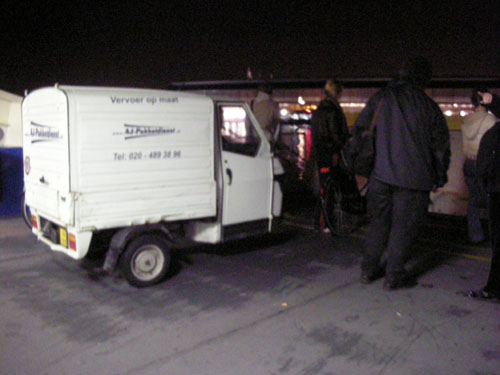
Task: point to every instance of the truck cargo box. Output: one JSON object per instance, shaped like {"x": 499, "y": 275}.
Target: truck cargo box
{"x": 98, "y": 158}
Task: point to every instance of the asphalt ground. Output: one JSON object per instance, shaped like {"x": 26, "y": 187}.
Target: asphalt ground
{"x": 289, "y": 303}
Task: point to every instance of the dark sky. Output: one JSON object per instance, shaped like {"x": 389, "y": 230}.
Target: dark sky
{"x": 148, "y": 43}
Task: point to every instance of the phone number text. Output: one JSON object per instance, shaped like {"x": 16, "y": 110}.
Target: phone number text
{"x": 151, "y": 155}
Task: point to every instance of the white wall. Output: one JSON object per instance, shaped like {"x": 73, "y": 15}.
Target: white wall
{"x": 10, "y": 120}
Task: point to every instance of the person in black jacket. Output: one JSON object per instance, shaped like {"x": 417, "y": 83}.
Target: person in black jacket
{"x": 488, "y": 166}
{"x": 412, "y": 151}
{"x": 329, "y": 133}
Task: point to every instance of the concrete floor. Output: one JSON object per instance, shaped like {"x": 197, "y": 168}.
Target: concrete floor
{"x": 285, "y": 304}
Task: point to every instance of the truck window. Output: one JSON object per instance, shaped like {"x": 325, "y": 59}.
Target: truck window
{"x": 238, "y": 134}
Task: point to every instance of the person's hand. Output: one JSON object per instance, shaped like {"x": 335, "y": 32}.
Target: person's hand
{"x": 487, "y": 98}
{"x": 437, "y": 189}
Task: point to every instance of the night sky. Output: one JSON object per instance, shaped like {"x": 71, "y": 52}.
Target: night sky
{"x": 149, "y": 44}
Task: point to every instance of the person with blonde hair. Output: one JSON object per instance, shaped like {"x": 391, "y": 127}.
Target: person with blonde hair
{"x": 329, "y": 133}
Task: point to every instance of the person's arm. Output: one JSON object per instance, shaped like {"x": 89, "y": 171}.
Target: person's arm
{"x": 440, "y": 144}
{"x": 491, "y": 101}
{"x": 337, "y": 129}
{"x": 365, "y": 117}
{"x": 485, "y": 155}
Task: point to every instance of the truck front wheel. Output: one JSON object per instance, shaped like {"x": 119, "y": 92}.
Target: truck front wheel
{"x": 145, "y": 260}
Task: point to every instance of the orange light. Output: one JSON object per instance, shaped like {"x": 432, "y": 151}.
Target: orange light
{"x": 324, "y": 170}
{"x": 34, "y": 221}
{"x": 72, "y": 242}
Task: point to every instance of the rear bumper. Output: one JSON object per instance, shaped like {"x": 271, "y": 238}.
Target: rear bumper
{"x": 61, "y": 238}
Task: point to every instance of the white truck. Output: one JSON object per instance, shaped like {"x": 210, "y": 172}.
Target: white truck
{"x": 140, "y": 168}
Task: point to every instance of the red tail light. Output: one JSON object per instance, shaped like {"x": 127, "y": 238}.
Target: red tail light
{"x": 34, "y": 221}
{"x": 324, "y": 170}
{"x": 72, "y": 242}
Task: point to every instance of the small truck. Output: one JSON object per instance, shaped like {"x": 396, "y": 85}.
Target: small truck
{"x": 141, "y": 170}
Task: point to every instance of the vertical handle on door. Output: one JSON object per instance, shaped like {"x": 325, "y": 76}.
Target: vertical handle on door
{"x": 230, "y": 175}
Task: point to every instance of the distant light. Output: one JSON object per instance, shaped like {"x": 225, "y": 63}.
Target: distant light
{"x": 233, "y": 113}
{"x": 455, "y": 105}
{"x": 301, "y": 100}
{"x": 284, "y": 112}
{"x": 463, "y": 113}
{"x": 353, "y": 105}
{"x": 448, "y": 113}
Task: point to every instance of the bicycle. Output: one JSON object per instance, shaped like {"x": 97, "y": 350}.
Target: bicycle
{"x": 343, "y": 203}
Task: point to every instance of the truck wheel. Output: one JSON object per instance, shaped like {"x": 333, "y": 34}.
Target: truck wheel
{"x": 26, "y": 212}
{"x": 145, "y": 260}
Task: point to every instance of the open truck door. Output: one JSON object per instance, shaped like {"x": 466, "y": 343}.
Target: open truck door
{"x": 247, "y": 172}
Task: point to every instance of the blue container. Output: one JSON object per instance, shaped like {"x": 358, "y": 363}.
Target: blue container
{"x": 11, "y": 181}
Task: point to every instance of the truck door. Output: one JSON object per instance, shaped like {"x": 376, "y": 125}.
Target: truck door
{"x": 46, "y": 153}
{"x": 247, "y": 172}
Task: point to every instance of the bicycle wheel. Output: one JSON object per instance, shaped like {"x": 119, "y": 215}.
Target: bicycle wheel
{"x": 340, "y": 222}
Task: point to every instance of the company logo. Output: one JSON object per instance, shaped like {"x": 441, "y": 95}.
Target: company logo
{"x": 138, "y": 131}
{"x": 43, "y": 133}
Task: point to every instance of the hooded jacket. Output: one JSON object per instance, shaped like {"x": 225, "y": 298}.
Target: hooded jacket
{"x": 412, "y": 140}
{"x": 473, "y": 129}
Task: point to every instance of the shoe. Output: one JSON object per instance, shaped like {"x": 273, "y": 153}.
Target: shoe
{"x": 403, "y": 282}
{"x": 368, "y": 278}
{"x": 483, "y": 295}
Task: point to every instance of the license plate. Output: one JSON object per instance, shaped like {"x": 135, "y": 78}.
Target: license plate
{"x": 63, "y": 237}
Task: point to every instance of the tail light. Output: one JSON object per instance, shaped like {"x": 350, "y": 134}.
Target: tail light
{"x": 72, "y": 242}
{"x": 34, "y": 221}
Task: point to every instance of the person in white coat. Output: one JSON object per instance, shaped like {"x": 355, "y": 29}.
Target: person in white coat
{"x": 473, "y": 128}
{"x": 266, "y": 110}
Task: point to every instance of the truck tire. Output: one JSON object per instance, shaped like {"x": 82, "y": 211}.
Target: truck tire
{"x": 26, "y": 212}
{"x": 146, "y": 260}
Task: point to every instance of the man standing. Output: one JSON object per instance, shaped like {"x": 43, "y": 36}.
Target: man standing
{"x": 412, "y": 156}
{"x": 329, "y": 133}
{"x": 488, "y": 166}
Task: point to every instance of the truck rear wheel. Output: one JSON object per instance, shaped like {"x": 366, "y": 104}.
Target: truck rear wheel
{"x": 26, "y": 212}
{"x": 146, "y": 260}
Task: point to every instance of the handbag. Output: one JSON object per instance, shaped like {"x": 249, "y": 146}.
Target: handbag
{"x": 358, "y": 155}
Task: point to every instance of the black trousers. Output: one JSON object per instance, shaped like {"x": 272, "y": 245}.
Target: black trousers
{"x": 493, "y": 284}
{"x": 395, "y": 217}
